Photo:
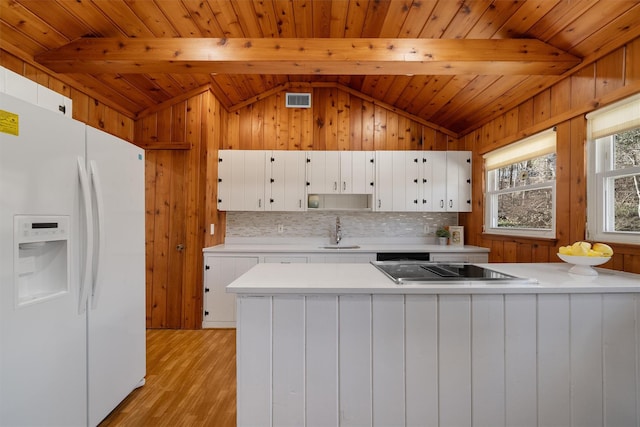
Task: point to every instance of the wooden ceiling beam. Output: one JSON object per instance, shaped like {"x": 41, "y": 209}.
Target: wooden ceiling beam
{"x": 315, "y": 56}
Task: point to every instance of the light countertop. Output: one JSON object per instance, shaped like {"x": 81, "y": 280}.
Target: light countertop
{"x": 319, "y": 248}
{"x": 266, "y": 279}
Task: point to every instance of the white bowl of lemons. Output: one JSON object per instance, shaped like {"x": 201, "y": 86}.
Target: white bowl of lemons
{"x": 584, "y": 256}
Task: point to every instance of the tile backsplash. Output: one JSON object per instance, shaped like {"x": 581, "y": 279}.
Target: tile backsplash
{"x": 321, "y": 224}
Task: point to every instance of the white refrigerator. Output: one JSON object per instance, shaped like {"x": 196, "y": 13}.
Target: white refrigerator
{"x": 72, "y": 269}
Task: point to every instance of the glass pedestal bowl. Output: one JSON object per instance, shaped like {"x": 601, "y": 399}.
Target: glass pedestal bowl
{"x": 582, "y": 265}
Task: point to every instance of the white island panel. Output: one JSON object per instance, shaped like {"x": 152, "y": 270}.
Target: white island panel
{"x": 388, "y": 353}
{"x": 321, "y": 360}
{"x": 521, "y": 400}
{"x": 586, "y": 360}
{"x": 421, "y": 335}
{"x": 487, "y": 361}
{"x": 450, "y": 360}
{"x": 288, "y": 361}
{"x": 354, "y": 371}
{"x": 620, "y": 353}
{"x": 343, "y": 345}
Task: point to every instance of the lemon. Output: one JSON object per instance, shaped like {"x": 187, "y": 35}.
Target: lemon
{"x": 603, "y": 248}
{"x": 580, "y": 248}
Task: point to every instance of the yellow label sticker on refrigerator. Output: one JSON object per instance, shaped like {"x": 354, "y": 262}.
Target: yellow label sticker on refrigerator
{"x": 9, "y": 123}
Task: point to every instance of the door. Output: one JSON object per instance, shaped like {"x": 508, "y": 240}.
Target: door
{"x": 116, "y": 311}
{"x": 42, "y": 336}
{"x": 166, "y": 213}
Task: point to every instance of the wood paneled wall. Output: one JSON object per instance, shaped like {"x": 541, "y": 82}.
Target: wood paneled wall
{"x": 611, "y": 78}
{"x": 86, "y": 108}
{"x": 337, "y": 120}
{"x": 181, "y": 140}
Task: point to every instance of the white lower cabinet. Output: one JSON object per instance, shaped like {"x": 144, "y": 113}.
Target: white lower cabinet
{"x": 438, "y": 360}
{"x": 477, "y": 257}
{"x": 359, "y": 258}
{"x": 279, "y": 259}
{"x": 219, "y": 271}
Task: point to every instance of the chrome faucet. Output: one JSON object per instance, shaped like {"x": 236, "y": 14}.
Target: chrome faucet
{"x": 338, "y": 230}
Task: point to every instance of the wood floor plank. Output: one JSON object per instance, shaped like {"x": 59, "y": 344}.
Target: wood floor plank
{"x": 191, "y": 381}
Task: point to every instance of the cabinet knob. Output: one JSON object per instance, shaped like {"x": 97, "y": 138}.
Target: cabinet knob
{"x": 219, "y": 179}
{"x": 415, "y": 180}
{"x": 415, "y": 201}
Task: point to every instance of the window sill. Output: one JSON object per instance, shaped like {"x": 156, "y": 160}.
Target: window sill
{"x": 520, "y": 239}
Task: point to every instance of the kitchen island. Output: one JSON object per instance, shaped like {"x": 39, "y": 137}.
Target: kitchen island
{"x": 342, "y": 344}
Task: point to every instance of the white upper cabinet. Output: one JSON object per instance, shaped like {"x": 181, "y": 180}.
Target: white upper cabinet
{"x": 459, "y": 181}
{"x": 27, "y": 90}
{"x": 405, "y": 181}
{"x": 259, "y": 180}
{"x": 241, "y": 180}
{"x": 340, "y": 172}
{"x": 285, "y": 184}
{"x": 423, "y": 181}
{"x": 393, "y": 179}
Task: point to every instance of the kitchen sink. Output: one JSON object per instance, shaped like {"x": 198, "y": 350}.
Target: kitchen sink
{"x": 340, "y": 247}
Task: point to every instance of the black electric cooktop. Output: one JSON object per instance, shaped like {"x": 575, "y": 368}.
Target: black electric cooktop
{"x": 425, "y": 272}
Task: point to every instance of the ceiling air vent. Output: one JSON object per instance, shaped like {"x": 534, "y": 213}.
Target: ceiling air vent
{"x": 298, "y": 100}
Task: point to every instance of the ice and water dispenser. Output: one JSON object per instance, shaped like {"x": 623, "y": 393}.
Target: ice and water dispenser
{"x": 42, "y": 257}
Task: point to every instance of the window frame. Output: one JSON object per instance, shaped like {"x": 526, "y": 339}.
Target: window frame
{"x": 600, "y": 175}
{"x": 491, "y": 193}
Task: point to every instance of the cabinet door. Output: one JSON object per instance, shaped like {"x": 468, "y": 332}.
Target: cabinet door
{"x": 412, "y": 181}
{"x": 343, "y": 258}
{"x": 323, "y": 172}
{"x": 226, "y": 159}
{"x": 391, "y": 189}
{"x": 438, "y": 181}
{"x": 254, "y": 180}
{"x": 384, "y": 179}
{"x": 286, "y": 181}
{"x": 219, "y": 305}
{"x": 458, "y": 181}
{"x": 241, "y": 180}
{"x": 425, "y": 190}
{"x": 356, "y": 172}
{"x": 280, "y": 259}
{"x": 53, "y": 101}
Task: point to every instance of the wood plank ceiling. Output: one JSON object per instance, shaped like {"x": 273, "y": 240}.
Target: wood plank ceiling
{"x": 460, "y": 101}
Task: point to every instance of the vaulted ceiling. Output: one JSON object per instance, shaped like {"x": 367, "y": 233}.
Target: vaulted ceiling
{"x": 459, "y": 63}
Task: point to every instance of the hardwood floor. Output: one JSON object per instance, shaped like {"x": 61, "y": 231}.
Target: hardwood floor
{"x": 191, "y": 381}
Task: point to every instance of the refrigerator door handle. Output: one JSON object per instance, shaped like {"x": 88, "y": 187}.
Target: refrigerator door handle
{"x": 85, "y": 279}
{"x": 99, "y": 248}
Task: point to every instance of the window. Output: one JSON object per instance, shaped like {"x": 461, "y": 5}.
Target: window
{"x": 521, "y": 187}
{"x": 613, "y": 174}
